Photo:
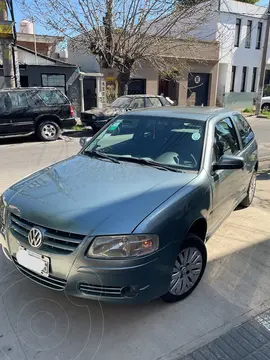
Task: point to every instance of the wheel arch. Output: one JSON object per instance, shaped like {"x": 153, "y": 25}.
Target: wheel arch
{"x": 43, "y": 118}
{"x": 199, "y": 228}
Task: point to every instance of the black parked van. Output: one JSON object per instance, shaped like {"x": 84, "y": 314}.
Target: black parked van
{"x": 43, "y": 111}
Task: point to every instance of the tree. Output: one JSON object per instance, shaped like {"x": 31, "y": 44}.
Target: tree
{"x": 124, "y": 34}
{"x": 249, "y": 1}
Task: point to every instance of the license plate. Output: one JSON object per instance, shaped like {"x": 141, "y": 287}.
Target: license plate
{"x": 33, "y": 261}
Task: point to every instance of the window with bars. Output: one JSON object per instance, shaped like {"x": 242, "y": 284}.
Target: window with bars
{"x": 248, "y": 36}
{"x": 54, "y": 80}
{"x": 233, "y": 78}
{"x": 259, "y": 35}
{"x": 237, "y": 32}
{"x": 254, "y": 78}
{"x": 244, "y": 79}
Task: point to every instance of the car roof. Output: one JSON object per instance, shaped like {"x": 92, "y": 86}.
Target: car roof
{"x": 28, "y": 88}
{"x": 141, "y": 95}
{"x": 189, "y": 112}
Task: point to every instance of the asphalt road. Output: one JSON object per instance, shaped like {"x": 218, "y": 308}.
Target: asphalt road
{"x": 37, "y": 323}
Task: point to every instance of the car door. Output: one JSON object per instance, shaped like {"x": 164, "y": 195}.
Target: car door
{"x": 226, "y": 184}
{"x": 249, "y": 148}
{"x": 21, "y": 113}
{"x": 5, "y": 115}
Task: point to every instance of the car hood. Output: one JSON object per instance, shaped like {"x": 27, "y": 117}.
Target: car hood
{"x": 84, "y": 195}
{"x": 108, "y": 111}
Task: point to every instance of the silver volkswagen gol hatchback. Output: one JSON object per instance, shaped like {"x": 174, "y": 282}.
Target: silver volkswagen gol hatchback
{"x": 126, "y": 220}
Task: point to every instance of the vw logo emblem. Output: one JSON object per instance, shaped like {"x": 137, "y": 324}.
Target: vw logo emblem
{"x": 35, "y": 237}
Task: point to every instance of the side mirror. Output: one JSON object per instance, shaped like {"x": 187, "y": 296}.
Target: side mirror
{"x": 84, "y": 140}
{"x": 229, "y": 162}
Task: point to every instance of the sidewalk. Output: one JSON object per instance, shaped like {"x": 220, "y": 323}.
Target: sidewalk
{"x": 249, "y": 341}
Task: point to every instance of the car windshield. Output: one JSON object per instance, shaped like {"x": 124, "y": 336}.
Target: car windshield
{"x": 122, "y": 102}
{"x": 174, "y": 142}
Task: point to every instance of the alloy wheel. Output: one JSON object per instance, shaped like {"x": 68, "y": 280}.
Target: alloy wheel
{"x": 186, "y": 271}
{"x": 49, "y": 131}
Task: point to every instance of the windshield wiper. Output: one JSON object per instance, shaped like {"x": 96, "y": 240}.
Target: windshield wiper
{"x": 149, "y": 163}
{"x": 101, "y": 156}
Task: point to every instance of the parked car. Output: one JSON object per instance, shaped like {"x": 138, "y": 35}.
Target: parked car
{"x": 40, "y": 111}
{"x": 97, "y": 118}
{"x": 127, "y": 219}
{"x": 265, "y": 106}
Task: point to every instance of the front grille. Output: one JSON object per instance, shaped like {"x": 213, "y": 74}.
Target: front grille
{"x": 54, "y": 240}
{"x": 98, "y": 290}
{"x": 50, "y": 282}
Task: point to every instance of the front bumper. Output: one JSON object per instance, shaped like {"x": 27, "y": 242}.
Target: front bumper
{"x": 68, "y": 123}
{"x": 119, "y": 281}
{"x": 96, "y": 123}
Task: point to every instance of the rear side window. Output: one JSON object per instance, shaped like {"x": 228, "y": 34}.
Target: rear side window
{"x": 226, "y": 142}
{"x": 164, "y": 102}
{"x": 18, "y": 99}
{"x": 2, "y": 103}
{"x": 137, "y": 103}
{"x": 155, "y": 102}
{"x": 244, "y": 129}
{"x": 52, "y": 97}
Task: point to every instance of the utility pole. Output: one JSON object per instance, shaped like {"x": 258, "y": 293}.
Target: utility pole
{"x": 263, "y": 63}
{"x": 6, "y": 47}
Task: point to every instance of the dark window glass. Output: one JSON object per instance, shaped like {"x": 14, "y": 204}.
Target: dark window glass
{"x": 54, "y": 80}
{"x": 233, "y": 78}
{"x": 254, "y": 78}
{"x": 155, "y": 102}
{"x": 122, "y": 102}
{"x": 18, "y": 99}
{"x": 244, "y": 129}
{"x": 52, "y": 97}
{"x": 171, "y": 141}
{"x": 137, "y": 103}
{"x": 259, "y": 35}
{"x": 237, "y": 32}
{"x": 244, "y": 79}
{"x": 248, "y": 37}
{"x": 226, "y": 142}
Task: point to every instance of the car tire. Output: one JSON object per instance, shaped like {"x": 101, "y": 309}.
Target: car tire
{"x": 48, "y": 131}
{"x": 266, "y": 107}
{"x": 251, "y": 191}
{"x": 188, "y": 269}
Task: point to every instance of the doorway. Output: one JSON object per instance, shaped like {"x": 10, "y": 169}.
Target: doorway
{"x": 198, "y": 89}
{"x": 169, "y": 88}
{"x": 89, "y": 93}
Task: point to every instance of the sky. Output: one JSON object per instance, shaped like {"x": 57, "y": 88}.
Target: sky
{"x": 39, "y": 29}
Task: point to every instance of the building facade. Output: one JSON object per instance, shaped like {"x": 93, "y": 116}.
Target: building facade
{"x": 240, "y": 29}
{"x": 198, "y": 86}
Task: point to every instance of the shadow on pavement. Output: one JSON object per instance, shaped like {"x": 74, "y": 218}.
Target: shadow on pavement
{"x": 46, "y": 323}
{"x": 264, "y": 175}
{"x": 19, "y": 140}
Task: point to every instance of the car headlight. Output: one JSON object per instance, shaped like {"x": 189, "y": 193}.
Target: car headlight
{"x": 123, "y": 246}
{"x": 93, "y": 117}
{"x": 2, "y": 210}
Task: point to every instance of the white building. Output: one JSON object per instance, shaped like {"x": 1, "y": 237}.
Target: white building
{"x": 240, "y": 29}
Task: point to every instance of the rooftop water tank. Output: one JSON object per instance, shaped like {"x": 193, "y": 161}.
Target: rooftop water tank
{"x": 26, "y": 27}
{"x": 63, "y": 53}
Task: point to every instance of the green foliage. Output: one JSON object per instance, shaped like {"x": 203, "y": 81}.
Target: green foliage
{"x": 248, "y": 110}
{"x": 266, "y": 113}
{"x": 266, "y": 90}
{"x": 249, "y": 1}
